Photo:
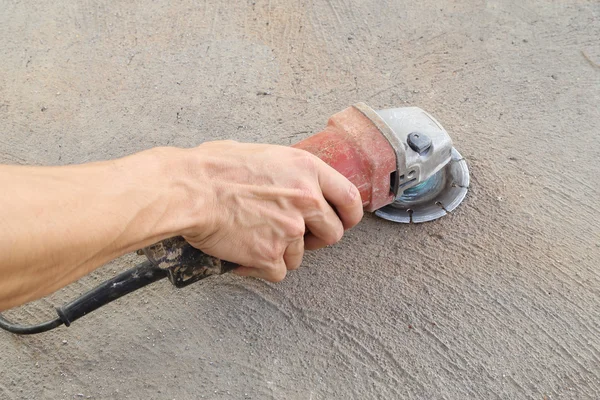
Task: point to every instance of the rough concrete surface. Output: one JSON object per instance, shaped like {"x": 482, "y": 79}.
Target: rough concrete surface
{"x": 500, "y": 300}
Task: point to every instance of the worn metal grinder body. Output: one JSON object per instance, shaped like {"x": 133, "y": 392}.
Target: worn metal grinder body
{"x": 401, "y": 160}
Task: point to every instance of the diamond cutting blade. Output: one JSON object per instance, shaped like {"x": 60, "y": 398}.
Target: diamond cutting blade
{"x": 433, "y": 198}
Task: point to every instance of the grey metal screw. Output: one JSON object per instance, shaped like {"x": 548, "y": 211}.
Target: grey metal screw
{"x": 419, "y": 142}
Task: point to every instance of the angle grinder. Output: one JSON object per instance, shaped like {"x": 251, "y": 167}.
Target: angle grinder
{"x": 401, "y": 160}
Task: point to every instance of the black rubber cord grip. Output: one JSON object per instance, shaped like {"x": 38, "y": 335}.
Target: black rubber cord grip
{"x": 122, "y": 284}
{"x": 185, "y": 264}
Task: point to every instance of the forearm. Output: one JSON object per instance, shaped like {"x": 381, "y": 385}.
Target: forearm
{"x": 60, "y": 223}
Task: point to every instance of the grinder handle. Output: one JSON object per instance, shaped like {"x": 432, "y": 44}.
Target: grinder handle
{"x": 185, "y": 263}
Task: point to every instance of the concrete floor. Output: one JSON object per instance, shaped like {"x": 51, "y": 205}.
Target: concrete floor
{"x": 500, "y": 300}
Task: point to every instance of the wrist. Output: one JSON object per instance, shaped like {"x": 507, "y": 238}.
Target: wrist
{"x": 187, "y": 190}
{"x": 177, "y": 181}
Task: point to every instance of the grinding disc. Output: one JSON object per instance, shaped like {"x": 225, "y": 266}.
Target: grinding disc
{"x": 432, "y": 199}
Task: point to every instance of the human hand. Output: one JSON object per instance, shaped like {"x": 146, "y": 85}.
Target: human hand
{"x": 263, "y": 205}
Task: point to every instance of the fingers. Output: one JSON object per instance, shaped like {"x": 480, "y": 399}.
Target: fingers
{"x": 274, "y": 273}
{"x": 293, "y": 254}
{"x": 312, "y": 242}
{"x": 342, "y": 195}
{"x": 324, "y": 225}
{"x": 292, "y": 258}
{"x": 325, "y": 228}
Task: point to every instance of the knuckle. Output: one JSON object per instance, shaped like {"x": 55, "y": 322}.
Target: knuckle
{"x": 272, "y": 254}
{"x": 306, "y": 160}
{"x": 309, "y": 197}
{"x": 296, "y": 228}
{"x": 352, "y": 194}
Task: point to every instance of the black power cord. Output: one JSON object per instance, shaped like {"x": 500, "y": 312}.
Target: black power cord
{"x": 28, "y": 330}
{"x": 126, "y": 282}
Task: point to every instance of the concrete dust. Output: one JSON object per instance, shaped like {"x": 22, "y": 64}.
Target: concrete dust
{"x": 499, "y": 300}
